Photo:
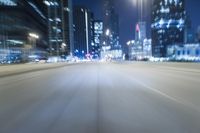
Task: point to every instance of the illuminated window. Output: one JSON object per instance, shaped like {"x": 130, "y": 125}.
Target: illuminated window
{"x": 8, "y": 3}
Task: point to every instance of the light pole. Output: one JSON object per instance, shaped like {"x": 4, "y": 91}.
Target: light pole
{"x": 63, "y": 47}
{"x": 107, "y": 37}
{"x": 33, "y": 39}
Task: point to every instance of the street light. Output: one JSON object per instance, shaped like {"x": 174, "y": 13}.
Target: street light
{"x": 63, "y": 46}
{"x": 107, "y": 32}
{"x": 33, "y": 37}
{"x": 128, "y": 43}
{"x": 47, "y": 3}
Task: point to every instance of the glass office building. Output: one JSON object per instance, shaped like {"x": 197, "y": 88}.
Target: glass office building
{"x": 111, "y": 25}
{"x": 60, "y": 26}
{"x": 19, "y": 19}
{"x": 168, "y": 25}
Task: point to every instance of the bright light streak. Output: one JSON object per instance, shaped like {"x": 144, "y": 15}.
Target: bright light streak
{"x": 134, "y": 2}
{"x": 107, "y": 32}
{"x": 64, "y": 45}
{"x": 34, "y": 35}
{"x": 47, "y": 3}
{"x": 128, "y": 43}
{"x": 15, "y": 41}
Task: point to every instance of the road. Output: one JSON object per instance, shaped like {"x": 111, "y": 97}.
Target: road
{"x": 103, "y": 98}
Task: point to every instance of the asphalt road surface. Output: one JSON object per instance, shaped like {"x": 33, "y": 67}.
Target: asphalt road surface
{"x": 103, "y": 98}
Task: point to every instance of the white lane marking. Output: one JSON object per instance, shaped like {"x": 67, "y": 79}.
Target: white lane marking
{"x": 155, "y": 90}
{"x": 177, "y": 100}
{"x": 180, "y": 101}
{"x": 158, "y": 92}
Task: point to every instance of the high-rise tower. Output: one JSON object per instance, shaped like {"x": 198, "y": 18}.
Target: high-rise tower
{"x": 111, "y": 25}
{"x": 168, "y": 24}
{"x": 60, "y": 23}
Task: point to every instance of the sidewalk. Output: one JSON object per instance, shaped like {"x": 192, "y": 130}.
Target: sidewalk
{"x": 9, "y": 70}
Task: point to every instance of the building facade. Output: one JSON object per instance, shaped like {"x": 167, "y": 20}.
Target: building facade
{"x": 168, "y": 25}
{"x": 60, "y": 26}
{"x": 18, "y": 20}
{"x": 111, "y": 25}
{"x": 138, "y": 51}
{"x": 140, "y": 31}
{"x": 98, "y": 32}
{"x": 111, "y": 48}
{"x": 185, "y": 52}
{"x": 140, "y": 34}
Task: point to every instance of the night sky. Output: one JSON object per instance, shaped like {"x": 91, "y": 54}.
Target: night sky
{"x": 128, "y": 14}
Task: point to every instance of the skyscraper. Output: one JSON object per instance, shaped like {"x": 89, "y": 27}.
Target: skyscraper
{"x": 140, "y": 32}
{"x": 98, "y": 32}
{"x": 111, "y": 25}
{"x": 19, "y": 18}
{"x": 168, "y": 24}
{"x": 83, "y": 31}
{"x": 60, "y": 23}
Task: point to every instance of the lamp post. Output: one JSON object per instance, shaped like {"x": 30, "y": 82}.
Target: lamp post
{"x": 63, "y": 47}
{"x": 33, "y": 39}
{"x": 107, "y": 35}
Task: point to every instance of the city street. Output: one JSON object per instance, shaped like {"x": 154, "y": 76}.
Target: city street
{"x": 115, "y": 97}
